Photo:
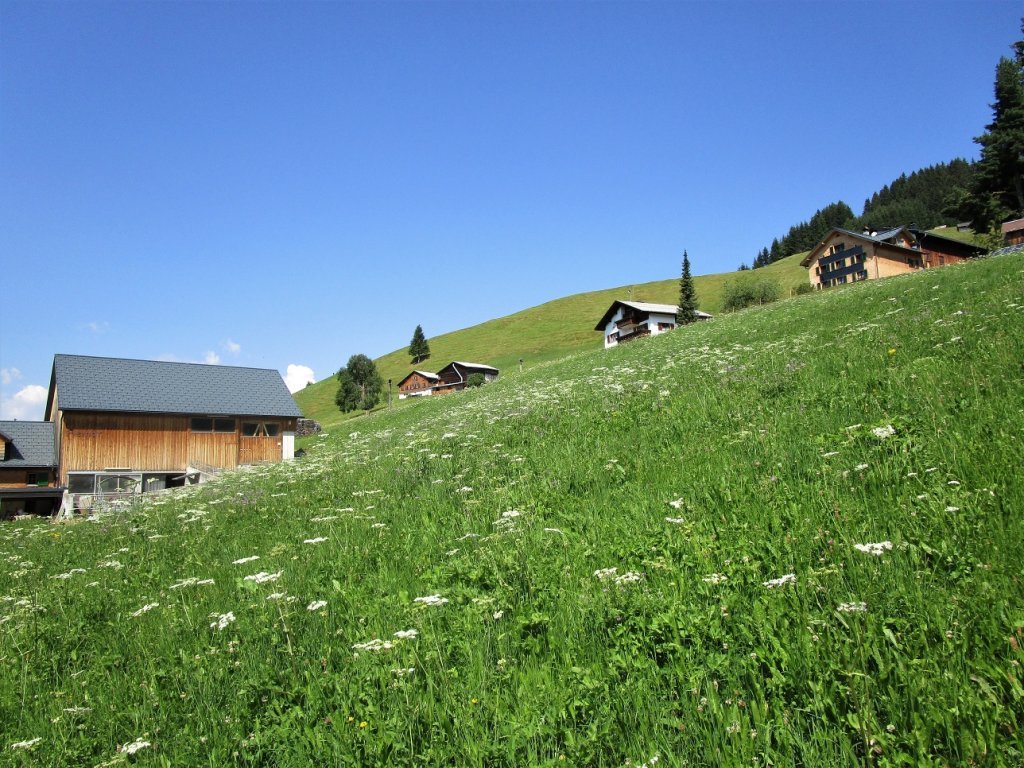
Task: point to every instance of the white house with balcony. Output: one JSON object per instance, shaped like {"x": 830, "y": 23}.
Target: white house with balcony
{"x": 628, "y": 320}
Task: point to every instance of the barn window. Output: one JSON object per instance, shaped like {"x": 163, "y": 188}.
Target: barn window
{"x": 207, "y": 424}
{"x": 38, "y": 478}
{"x": 260, "y": 429}
{"x": 119, "y": 483}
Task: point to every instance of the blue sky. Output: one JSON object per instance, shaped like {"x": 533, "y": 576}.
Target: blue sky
{"x": 287, "y": 184}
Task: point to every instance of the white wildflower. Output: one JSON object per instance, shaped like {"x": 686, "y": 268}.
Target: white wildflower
{"x": 860, "y": 467}
{"x": 145, "y": 609}
{"x": 497, "y": 615}
{"x": 829, "y": 454}
{"x": 431, "y": 600}
{"x": 276, "y": 596}
{"x": 789, "y": 578}
{"x": 884, "y": 433}
{"x": 877, "y": 548}
{"x": 605, "y": 573}
{"x": 675, "y": 520}
{"x": 317, "y": 540}
{"x": 407, "y": 634}
{"x": 263, "y": 577}
{"x": 376, "y": 645}
{"x": 222, "y": 620}
{"x": 715, "y": 578}
{"x": 464, "y": 489}
{"x": 133, "y": 747}
{"x": 678, "y": 503}
{"x": 952, "y": 509}
{"x": 244, "y": 560}
{"x": 191, "y": 581}
{"x": 853, "y": 607}
{"x": 69, "y": 574}
{"x": 953, "y": 483}
{"x": 403, "y": 672}
{"x": 26, "y": 744}
{"x": 630, "y": 577}
{"x": 316, "y": 605}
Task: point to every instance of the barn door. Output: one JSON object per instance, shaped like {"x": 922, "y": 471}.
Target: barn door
{"x": 259, "y": 441}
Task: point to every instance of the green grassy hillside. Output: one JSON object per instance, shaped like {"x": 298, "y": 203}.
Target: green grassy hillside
{"x": 541, "y": 333}
{"x": 792, "y": 536}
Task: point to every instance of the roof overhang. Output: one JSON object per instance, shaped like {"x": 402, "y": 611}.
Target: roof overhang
{"x": 33, "y": 491}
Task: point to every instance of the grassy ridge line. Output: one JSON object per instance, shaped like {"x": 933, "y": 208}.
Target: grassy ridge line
{"x": 538, "y": 334}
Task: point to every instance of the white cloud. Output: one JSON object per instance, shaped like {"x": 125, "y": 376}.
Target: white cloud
{"x": 298, "y": 376}
{"x": 98, "y": 326}
{"x": 26, "y": 404}
{"x": 7, "y": 375}
{"x": 233, "y": 347}
{"x": 212, "y": 358}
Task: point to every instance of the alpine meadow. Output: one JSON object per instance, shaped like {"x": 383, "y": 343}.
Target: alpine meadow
{"x": 787, "y": 536}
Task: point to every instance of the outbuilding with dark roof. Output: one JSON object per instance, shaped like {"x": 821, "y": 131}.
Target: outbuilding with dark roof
{"x": 28, "y": 468}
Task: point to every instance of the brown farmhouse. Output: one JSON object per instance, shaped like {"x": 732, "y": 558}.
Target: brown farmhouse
{"x": 845, "y": 256}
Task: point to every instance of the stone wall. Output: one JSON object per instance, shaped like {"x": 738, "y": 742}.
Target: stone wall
{"x": 307, "y": 427}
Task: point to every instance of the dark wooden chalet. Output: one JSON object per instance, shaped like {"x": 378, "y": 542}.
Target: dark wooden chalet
{"x": 455, "y": 375}
{"x": 417, "y": 384}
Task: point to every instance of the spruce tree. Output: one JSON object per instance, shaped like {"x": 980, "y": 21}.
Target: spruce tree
{"x": 687, "y": 297}
{"x": 998, "y": 188}
{"x": 419, "y": 349}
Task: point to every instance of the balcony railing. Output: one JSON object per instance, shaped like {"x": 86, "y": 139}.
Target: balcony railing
{"x": 639, "y": 332}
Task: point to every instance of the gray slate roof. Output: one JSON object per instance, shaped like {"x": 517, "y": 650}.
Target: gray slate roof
{"x": 148, "y": 386}
{"x": 481, "y": 366}
{"x": 31, "y": 444}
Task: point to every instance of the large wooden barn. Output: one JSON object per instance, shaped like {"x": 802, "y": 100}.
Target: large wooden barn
{"x": 123, "y": 426}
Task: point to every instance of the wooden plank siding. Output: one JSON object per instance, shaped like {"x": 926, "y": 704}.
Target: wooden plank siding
{"x": 18, "y": 478}
{"x": 94, "y": 442}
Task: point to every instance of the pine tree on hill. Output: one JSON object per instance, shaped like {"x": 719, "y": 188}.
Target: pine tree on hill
{"x": 419, "y": 349}
{"x": 998, "y": 188}
{"x": 687, "y": 312}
